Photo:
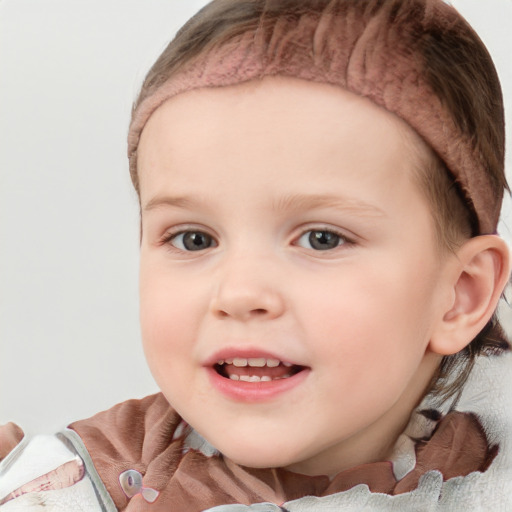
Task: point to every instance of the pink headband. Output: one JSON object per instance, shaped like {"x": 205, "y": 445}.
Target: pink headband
{"x": 362, "y": 51}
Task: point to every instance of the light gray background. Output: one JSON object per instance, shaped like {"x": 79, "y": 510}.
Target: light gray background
{"x": 69, "y": 70}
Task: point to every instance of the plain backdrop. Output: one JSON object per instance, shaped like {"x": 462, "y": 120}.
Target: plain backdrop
{"x": 69, "y": 71}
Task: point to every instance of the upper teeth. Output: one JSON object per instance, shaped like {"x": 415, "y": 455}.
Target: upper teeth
{"x": 257, "y": 362}
{"x": 256, "y": 378}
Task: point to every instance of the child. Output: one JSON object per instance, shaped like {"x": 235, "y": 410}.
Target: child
{"x": 320, "y": 183}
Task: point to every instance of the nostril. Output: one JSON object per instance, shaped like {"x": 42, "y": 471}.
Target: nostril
{"x": 245, "y": 303}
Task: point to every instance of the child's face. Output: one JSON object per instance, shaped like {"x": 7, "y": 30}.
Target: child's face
{"x": 281, "y": 221}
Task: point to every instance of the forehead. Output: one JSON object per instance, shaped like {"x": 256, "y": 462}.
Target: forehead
{"x": 281, "y": 123}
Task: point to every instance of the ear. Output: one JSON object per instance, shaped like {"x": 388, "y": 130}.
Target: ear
{"x": 477, "y": 276}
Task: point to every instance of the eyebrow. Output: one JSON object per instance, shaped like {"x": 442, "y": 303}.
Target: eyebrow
{"x": 178, "y": 202}
{"x": 295, "y": 202}
{"x": 312, "y": 201}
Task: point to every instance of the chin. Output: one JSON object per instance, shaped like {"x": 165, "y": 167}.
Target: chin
{"x": 255, "y": 457}
{"x": 260, "y": 462}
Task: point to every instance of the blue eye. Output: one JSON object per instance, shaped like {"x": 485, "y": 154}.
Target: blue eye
{"x": 192, "y": 241}
{"x": 321, "y": 240}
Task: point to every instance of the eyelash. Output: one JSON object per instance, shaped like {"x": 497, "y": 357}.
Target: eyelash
{"x": 342, "y": 239}
{"x": 168, "y": 238}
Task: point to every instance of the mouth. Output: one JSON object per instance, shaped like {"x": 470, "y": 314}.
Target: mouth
{"x": 256, "y": 369}
{"x": 250, "y": 375}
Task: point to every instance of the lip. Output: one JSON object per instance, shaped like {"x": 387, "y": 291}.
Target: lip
{"x": 255, "y": 391}
{"x": 252, "y": 391}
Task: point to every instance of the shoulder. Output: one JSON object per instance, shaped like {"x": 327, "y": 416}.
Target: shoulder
{"x": 129, "y": 443}
{"x": 67, "y": 471}
{"x": 129, "y": 434}
{"x": 487, "y": 395}
{"x": 47, "y": 473}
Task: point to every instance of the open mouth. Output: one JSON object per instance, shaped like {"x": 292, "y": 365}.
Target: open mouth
{"x": 256, "y": 369}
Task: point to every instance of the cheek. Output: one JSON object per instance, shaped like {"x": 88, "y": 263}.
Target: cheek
{"x": 167, "y": 334}
{"x": 364, "y": 359}
{"x": 166, "y": 313}
{"x": 368, "y": 323}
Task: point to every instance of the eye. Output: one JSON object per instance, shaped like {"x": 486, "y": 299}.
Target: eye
{"x": 192, "y": 241}
{"x": 321, "y": 240}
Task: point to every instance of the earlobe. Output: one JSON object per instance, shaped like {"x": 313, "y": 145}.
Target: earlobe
{"x": 479, "y": 275}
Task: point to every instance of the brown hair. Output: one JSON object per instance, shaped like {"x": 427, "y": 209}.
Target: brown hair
{"x": 454, "y": 224}
{"x": 452, "y": 98}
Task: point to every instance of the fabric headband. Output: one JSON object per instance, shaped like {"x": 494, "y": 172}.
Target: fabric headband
{"x": 363, "y": 52}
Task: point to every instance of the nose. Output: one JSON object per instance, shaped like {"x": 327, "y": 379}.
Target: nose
{"x": 247, "y": 290}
